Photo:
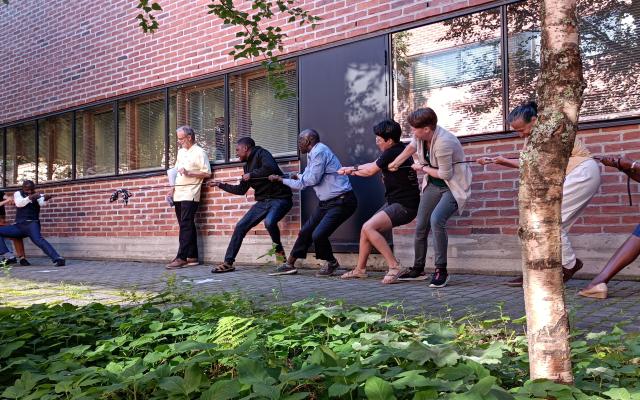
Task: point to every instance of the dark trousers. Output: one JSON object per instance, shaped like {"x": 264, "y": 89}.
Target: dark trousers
{"x": 324, "y": 220}
{"x": 30, "y": 229}
{"x": 186, "y": 215}
{"x": 269, "y": 210}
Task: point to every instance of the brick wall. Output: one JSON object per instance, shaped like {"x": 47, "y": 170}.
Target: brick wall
{"x": 58, "y": 54}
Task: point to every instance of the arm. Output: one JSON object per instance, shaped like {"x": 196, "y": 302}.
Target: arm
{"x": 629, "y": 167}
{"x": 406, "y": 153}
{"x": 500, "y": 160}
{"x": 312, "y": 175}
{"x": 7, "y": 200}
{"x": 239, "y": 189}
{"x": 364, "y": 170}
{"x": 20, "y": 201}
{"x": 203, "y": 173}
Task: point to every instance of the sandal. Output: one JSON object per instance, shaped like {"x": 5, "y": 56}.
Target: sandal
{"x": 222, "y": 268}
{"x": 392, "y": 276}
{"x": 353, "y": 274}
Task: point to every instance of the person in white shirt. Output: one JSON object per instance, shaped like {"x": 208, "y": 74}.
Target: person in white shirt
{"x": 27, "y": 224}
{"x": 192, "y": 165}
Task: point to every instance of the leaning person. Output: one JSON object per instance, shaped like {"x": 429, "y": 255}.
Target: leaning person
{"x": 337, "y": 203}
{"x": 445, "y": 190}
{"x": 27, "y": 224}
{"x": 580, "y": 184}
{"x": 273, "y": 201}
{"x": 402, "y": 198}
{"x": 192, "y": 166}
{"x": 18, "y": 243}
{"x": 630, "y": 249}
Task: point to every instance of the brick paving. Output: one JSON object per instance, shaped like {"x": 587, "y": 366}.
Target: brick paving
{"x": 464, "y": 294}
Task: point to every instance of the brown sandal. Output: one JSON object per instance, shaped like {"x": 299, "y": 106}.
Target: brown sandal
{"x": 222, "y": 268}
{"x": 392, "y": 276}
{"x": 354, "y": 275}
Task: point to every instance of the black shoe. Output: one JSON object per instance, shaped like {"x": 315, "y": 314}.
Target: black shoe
{"x": 412, "y": 274}
{"x": 24, "y": 262}
{"x": 567, "y": 273}
{"x": 329, "y": 269}
{"x": 11, "y": 260}
{"x": 284, "y": 269}
{"x": 439, "y": 278}
{"x": 59, "y": 262}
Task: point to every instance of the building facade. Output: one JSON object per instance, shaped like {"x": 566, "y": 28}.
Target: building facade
{"x": 89, "y": 104}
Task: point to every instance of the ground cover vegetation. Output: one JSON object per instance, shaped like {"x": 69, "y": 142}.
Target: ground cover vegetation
{"x": 179, "y": 346}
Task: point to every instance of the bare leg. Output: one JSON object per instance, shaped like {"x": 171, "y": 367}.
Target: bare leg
{"x": 380, "y": 223}
{"x": 625, "y": 255}
{"x": 364, "y": 251}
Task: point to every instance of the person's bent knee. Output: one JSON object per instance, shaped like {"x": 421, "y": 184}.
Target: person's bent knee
{"x": 270, "y": 224}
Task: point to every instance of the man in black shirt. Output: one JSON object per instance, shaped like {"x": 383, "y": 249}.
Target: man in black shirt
{"x": 28, "y": 204}
{"x": 273, "y": 201}
{"x": 402, "y": 198}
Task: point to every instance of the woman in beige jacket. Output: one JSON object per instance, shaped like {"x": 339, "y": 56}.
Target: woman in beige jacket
{"x": 445, "y": 190}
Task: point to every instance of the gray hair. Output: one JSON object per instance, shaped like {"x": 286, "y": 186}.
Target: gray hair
{"x": 188, "y": 131}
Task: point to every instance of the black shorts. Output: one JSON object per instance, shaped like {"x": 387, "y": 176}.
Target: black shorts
{"x": 399, "y": 214}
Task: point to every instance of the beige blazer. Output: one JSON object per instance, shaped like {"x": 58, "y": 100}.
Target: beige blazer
{"x": 445, "y": 151}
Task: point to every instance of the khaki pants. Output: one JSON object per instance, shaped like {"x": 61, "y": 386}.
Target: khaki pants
{"x": 579, "y": 187}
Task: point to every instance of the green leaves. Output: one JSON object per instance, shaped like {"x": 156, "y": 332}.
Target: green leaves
{"x": 378, "y": 389}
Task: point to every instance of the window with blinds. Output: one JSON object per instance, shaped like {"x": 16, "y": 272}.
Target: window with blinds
{"x": 95, "y": 142}
{"x": 256, "y": 112}
{"x": 141, "y": 133}
{"x": 453, "y": 67}
{"x": 21, "y": 153}
{"x": 202, "y": 108}
{"x": 610, "y": 47}
{"x": 55, "y": 147}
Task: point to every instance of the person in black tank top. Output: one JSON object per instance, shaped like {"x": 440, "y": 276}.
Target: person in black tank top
{"x": 27, "y": 224}
{"x": 402, "y": 196}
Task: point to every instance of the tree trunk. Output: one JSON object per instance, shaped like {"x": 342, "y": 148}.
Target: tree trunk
{"x": 542, "y": 173}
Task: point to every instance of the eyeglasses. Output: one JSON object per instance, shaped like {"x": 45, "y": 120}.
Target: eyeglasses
{"x": 181, "y": 139}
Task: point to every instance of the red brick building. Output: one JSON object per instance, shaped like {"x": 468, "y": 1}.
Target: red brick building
{"x": 89, "y": 104}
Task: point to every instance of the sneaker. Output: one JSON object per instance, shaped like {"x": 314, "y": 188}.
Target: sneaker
{"x": 60, "y": 262}
{"x": 517, "y": 282}
{"x": 192, "y": 262}
{"x": 284, "y": 269}
{"x": 176, "y": 264}
{"x": 11, "y": 260}
{"x": 24, "y": 262}
{"x": 439, "y": 278}
{"x": 412, "y": 274}
{"x": 329, "y": 269}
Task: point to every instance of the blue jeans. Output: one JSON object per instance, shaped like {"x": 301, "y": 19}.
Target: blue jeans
{"x": 269, "y": 210}
{"x": 324, "y": 220}
{"x": 437, "y": 205}
{"x": 30, "y": 229}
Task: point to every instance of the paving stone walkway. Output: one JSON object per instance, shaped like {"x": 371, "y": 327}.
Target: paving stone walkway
{"x": 464, "y": 294}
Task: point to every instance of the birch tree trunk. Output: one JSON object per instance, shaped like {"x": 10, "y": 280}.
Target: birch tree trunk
{"x": 542, "y": 173}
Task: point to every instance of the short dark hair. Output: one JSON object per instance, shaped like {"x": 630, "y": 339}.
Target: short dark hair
{"x": 525, "y": 111}
{"x": 423, "y": 117}
{"x": 312, "y": 134}
{"x": 388, "y": 129}
{"x": 188, "y": 131}
{"x": 28, "y": 182}
{"x": 247, "y": 141}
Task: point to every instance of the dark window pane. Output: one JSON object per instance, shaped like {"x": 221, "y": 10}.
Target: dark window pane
{"x": 610, "y": 45}
{"x": 2, "y": 157}
{"x": 453, "y": 67}
{"x": 21, "y": 153}
{"x": 256, "y": 112}
{"x": 141, "y": 133}
{"x": 95, "y": 142}
{"x": 202, "y": 108}
{"x": 54, "y": 148}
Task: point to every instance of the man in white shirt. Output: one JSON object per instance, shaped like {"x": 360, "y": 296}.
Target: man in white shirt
{"x": 193, "y": 167}
{"x": 27, "y": 224}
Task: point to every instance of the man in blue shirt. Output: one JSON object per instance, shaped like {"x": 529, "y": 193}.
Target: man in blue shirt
{"x": 337, "y": 203}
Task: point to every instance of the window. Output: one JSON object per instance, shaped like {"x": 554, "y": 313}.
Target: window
{"x": 256, "y": 112}
{"x": 453, "y": 67}
{"x": 141, "y": 133}
{"x": 95, "y": 142}
{"x": 202, "y": 108}
{"x": 21, "y": 153}
{"x": 55, "y": 148}
{"x": 610, "y": 45}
